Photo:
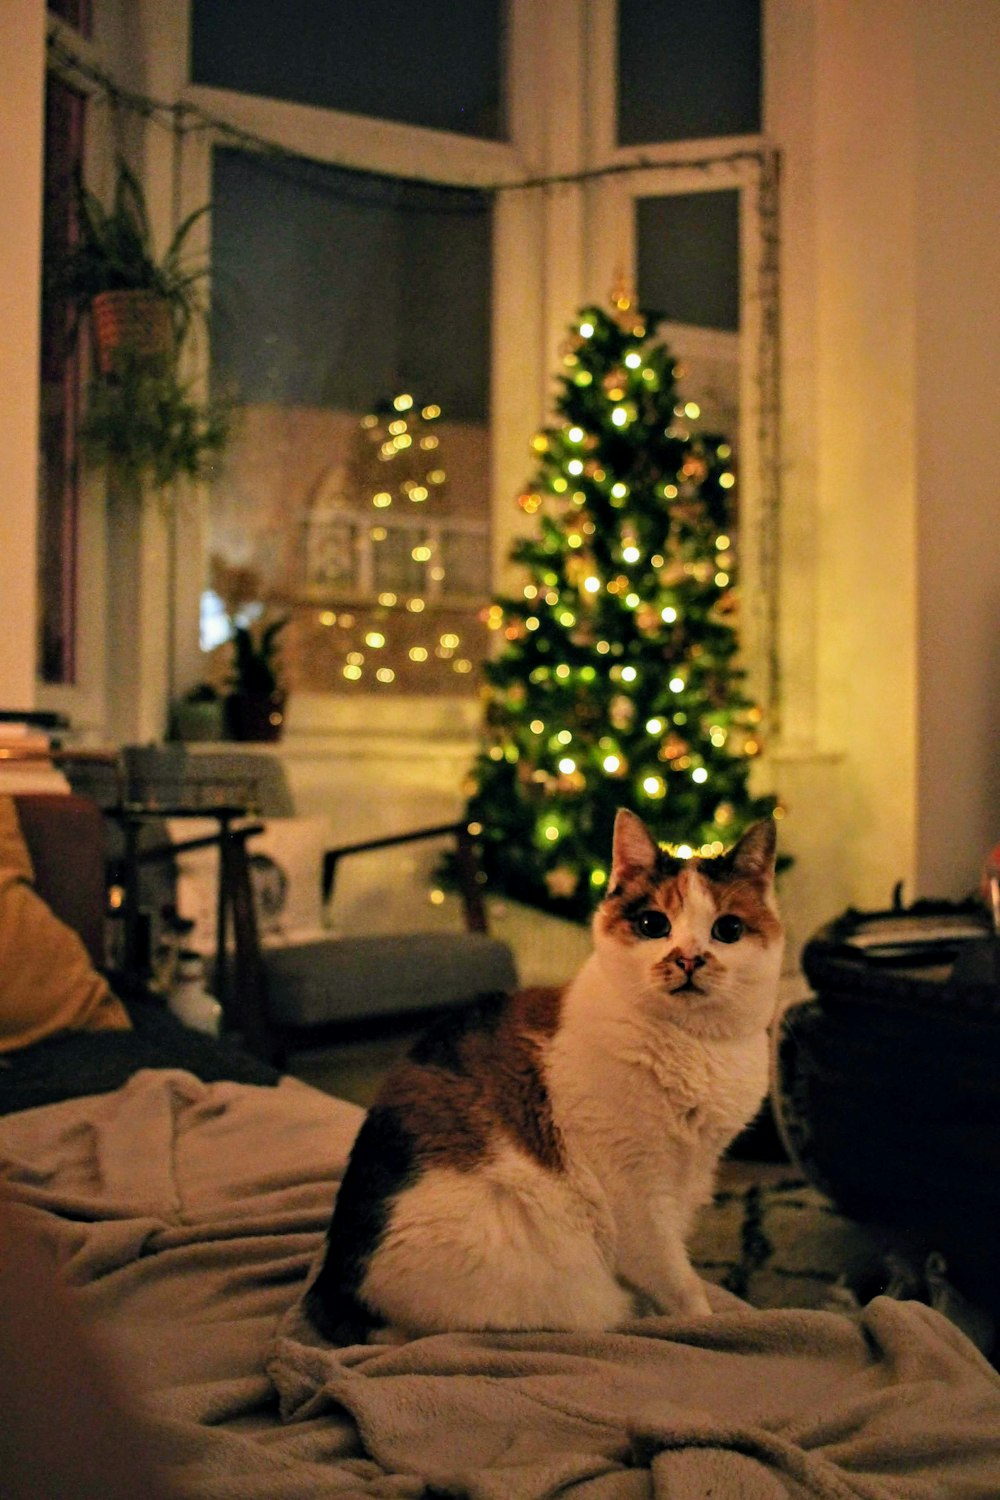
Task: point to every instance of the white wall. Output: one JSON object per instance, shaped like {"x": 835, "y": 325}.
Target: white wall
{"x": 888, "y": 118}
{"x": 22, "y": 43}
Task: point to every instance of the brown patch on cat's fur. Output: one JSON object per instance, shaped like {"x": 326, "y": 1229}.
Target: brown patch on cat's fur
{"x": 493, "y": 1076}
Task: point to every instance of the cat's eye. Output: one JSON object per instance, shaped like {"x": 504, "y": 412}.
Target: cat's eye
{"x": 728, "y": 928}
{"x": 652, "y": 924}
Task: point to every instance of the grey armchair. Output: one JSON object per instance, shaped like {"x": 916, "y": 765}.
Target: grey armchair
{"x": 290, "y": 981}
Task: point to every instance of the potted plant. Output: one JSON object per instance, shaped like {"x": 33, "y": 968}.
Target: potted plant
{"x": 111, "y": 271}
{"x": 199, "y": 714}
{"x": 255, "y": 707}
{"x": 142, "y": 419}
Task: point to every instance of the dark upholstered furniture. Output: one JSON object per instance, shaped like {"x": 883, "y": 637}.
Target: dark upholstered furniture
{"x": 887, "y": 1094}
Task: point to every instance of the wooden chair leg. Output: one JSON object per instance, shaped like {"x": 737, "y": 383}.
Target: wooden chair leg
{"x": 246, "y": 1003}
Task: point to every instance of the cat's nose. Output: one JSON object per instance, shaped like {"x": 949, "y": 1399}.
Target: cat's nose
{"x": 688, "y": 962}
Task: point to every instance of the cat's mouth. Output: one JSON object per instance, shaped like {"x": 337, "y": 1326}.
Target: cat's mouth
{"x": 687, "y": 988}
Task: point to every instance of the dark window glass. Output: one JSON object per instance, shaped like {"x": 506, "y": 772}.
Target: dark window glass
{"x": 332, "y": 288}
{"x": 689, "y": 258}
{"x": 688, "y": 69}
{"x": 436, "y": 64}
{"x": 58, "y": 480}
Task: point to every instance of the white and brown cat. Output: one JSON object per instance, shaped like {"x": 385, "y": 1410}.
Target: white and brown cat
{"x": 536, "y": 1161}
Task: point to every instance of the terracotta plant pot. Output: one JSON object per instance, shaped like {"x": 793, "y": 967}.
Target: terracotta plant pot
{"x": 255, "y": 716}
{"x": 130, "y": 322}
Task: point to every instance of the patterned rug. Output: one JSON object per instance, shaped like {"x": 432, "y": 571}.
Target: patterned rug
{"x": 772, "y": 1239}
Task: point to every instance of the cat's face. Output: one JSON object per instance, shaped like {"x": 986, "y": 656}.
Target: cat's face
{"x": 697, "y": 941}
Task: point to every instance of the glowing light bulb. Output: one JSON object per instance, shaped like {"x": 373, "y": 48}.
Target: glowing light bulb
{"x": 352, "y": 673}
{"x": 619, "y": 417}
{"x": 532, "y": 622}
{"x": 430, "y": 412}
{"x": 567, "y": 765}
{"x": 375, "y": 639}
{"x": 575, "y": 466}
{"x": 676, "y": 684}
{"x": 575, "y": 434}
{"x": 692, "y": 410}
{"x": 619, "y": 490}
{"x": 654, "y": 786}
{"x": 536, "y": 726}
{"x": 721, "y": 543}
{"x": 633, "y": 601}
{"x": 612, "y": 763}
{"x": 598, "y": 877}
{"x": 385, "y": 674}
{"x": 727, "y": 480}
{"x": 587, "y": 330}
{"x": 562, "y": 672}
{"x": 564, "y": 737}
{"x": 402, "y": 403}
{"x": 551, "y": 832}
{"x": 654, "y": 726}
{"x": 327, "y": 617}
{"x": 684, "y": 851}
{"x": 631, "y": 554}
{"x": 633, "y": 360}
{"x": 418, "y": 653}
{"x": 699, "y": 774}
{"x": 668, "y": 615}
{"x": 591, "y": 584}
{"x": 721, "y": 579}
{"x": 629, "y": 674}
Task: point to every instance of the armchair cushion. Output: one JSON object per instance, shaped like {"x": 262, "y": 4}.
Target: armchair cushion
{"x": 286, "y": 868}
{"x": 350, "y": 978}
{"x": 47, "y": 981}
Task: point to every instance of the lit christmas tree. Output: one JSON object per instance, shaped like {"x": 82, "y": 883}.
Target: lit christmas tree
{"x": 618, "y": 683}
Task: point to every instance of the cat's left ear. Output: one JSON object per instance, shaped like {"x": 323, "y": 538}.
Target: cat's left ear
{"x": 754, "y": 855}
{"x": 633, "y": 848}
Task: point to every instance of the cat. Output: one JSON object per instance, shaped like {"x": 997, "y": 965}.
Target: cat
{"x": 536, "y": 1161}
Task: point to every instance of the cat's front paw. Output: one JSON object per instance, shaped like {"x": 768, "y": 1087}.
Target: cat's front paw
{"x": 689, "y": 1302}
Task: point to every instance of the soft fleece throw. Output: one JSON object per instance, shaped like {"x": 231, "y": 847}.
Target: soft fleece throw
{"x": 186, "y": 1216}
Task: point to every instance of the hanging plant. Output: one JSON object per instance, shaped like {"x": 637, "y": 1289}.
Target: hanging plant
{"x": 142, "y": 420}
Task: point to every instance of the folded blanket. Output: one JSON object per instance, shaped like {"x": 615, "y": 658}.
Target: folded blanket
{"x": 186, "y": 1216}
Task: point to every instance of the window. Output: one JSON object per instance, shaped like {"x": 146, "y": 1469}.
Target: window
{"x": 437, "y": 65}
{"x": 351, "y": 321}
{"x": 688, "y": 71}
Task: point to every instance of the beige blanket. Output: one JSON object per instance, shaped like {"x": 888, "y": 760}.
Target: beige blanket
{"x": 186, "y": 1216}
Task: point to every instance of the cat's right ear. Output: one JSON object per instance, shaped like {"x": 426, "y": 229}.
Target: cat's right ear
{"x": 633, "y": 851}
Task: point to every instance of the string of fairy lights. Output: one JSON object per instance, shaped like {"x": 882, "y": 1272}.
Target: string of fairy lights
{"x": 398, "y": 462}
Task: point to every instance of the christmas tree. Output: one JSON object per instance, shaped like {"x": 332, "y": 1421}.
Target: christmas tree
{"x": 618, "y": 683}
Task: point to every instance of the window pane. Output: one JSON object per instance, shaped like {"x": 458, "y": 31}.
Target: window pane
{"x": 58, "y": 501}
{"x": 351, "y": 320}
{"x": 687, "y": 70}
{"x": 689, "y": 257}
{"x": 435, "y": 64}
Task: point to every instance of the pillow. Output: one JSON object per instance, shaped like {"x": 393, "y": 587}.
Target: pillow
{"x": 286, "y": 867}
{"x": 47, "y": 982}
